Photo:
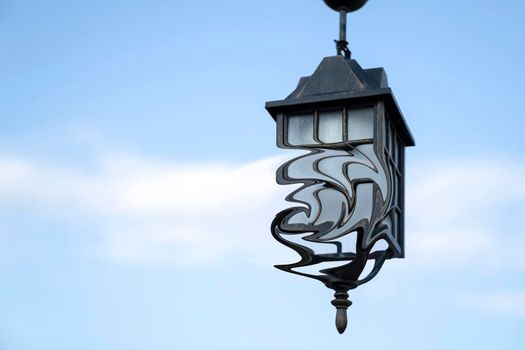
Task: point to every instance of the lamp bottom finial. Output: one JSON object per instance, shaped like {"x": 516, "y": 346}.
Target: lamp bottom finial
{"x": 341, "y": 303}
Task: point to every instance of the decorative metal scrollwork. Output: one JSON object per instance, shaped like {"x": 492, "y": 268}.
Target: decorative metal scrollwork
{"x": 344, "y": 192}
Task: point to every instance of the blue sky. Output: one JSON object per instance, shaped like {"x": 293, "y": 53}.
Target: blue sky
{"x": 137, "y": 175}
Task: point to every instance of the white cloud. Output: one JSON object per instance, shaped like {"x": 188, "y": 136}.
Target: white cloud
{"x": 467, "y": 214}
{"x": 125, "y": 185}
{"x": 160, "y": 211}
{"x": 157, "y": 211}
{"x": 464, "y": 216}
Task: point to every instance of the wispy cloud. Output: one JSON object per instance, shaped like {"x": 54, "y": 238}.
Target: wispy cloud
{"x": 467, "y": 213}
{"x": 156, "y": 211}
{"x": 161, "y": 211}
{"x": 466, "y": 216}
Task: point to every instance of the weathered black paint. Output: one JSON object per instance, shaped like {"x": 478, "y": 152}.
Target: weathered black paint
{"x": 339, "y": 82}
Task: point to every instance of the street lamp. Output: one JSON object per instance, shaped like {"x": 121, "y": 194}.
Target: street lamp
{"x": 350, "y": 213}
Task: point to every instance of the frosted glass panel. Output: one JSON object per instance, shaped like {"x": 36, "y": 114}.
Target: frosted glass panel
{"x": 360, "y": 124}
{"x": 301, "y": 129}
{"x": 331, "y": 126}
{"x": 333, "y": 206}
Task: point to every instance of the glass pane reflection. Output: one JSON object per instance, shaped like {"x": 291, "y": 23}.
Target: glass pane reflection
{"x": 331, "y": 126}
{"x": 301, "y": 129}
{"x": 360, "y": 124}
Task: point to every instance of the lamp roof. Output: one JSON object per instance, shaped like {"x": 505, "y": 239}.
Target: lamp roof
{"x": 338, "y": 80}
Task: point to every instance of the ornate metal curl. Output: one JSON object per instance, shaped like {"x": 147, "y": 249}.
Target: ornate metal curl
{"x": 356, "y": 176}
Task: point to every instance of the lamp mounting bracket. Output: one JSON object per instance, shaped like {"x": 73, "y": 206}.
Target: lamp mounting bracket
{"x": 343, "y": 7}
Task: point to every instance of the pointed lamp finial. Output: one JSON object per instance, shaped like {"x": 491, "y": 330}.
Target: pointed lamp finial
{"x": 341, "y": 303}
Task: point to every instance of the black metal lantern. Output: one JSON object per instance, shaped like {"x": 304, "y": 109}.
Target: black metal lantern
{"x": 351, "y": 198}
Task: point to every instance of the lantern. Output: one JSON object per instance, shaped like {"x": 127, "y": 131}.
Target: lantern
{"x": 349, "y": 217}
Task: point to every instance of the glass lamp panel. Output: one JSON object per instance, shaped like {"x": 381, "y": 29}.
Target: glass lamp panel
{"x": 332, "y": 204}
{"x": 395, "y": 190}
{"x": 358, "y": 170}
{"x": 330, "y": 126}
{"x": 300, "y": 129}
{"x": 360, "y": 124}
